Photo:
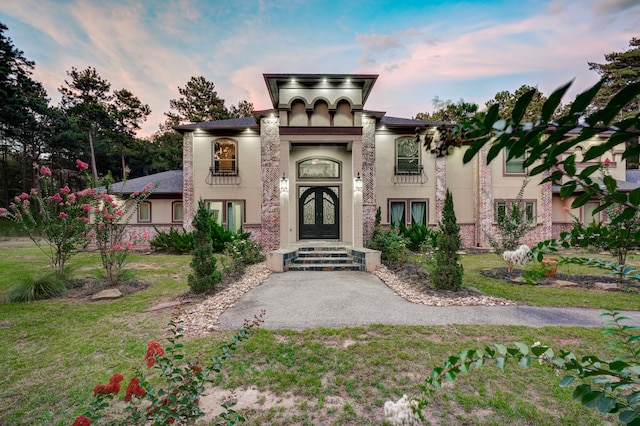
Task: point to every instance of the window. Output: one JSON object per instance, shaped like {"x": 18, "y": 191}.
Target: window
{"x": 144, "y": 212}
{"x": 407, "y": 156}
{"x": 515, "y": 165}
{"x": 176, "y": 211}
{"x": 528, "y": 208}
{"x": 588, "y": 216}
{"x": 224, "y": 157}
{"x": 417, "y": 213}
{"x": 229, "y": 214}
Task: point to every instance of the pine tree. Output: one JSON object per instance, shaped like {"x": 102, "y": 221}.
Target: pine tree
{"x": 447, "y": 273}
{"x": 205, "y": 274}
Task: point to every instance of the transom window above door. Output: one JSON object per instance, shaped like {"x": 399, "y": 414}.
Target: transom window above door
{"x": 319, "y": 168}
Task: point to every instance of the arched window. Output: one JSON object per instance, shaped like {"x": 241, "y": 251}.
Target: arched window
{"x": 225, "y": 157}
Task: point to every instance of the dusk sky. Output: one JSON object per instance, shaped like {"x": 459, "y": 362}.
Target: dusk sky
{"x": 420, "y": 49}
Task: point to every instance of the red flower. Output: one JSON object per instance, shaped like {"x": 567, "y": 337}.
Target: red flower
{"x": 65, "y": 190}
{"x": 112, "y": 388}
{"x": 57, "y": 198}
{"x": 153, "y": 349}
{"x": 606, "y": 161}
{"x": 45, "y": 171}
{"x": 134, "y": 388}
{"x": 81, "y": 165}
{"x": 82, "y": 421}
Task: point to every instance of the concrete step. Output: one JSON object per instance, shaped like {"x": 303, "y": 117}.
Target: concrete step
{"x": 325, "y": 267}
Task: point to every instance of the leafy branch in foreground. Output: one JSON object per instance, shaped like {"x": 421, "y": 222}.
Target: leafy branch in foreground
{"x": 610, "y": 386}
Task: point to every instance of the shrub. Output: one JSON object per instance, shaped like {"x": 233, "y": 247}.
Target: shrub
{"x": 419, "y": 234}
{"x": 175, "y": 394}
{"x": 43, "y": 287}
{"x": 447, "y": 272}
{"x": 205, "y": 273}
{"x": 174, "y": 241}
{"x": 392, "y": 245}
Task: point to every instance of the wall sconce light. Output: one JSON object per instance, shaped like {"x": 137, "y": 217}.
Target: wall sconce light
{"x": 284, "y": 184}
{"x": 357, "y": 184}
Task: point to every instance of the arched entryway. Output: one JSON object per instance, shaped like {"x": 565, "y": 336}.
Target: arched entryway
{"x": 319, "y": 213}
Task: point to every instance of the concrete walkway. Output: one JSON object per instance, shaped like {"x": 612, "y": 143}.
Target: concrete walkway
{"x": 299, "y": 300}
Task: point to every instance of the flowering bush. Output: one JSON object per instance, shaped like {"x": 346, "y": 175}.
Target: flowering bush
{"x": 110, "y": 219}
{"x": 56, "y": 222}
{"x": 178, "y": 401}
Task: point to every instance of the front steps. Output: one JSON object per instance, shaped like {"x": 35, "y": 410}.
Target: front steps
{"x": 324, "y": 258}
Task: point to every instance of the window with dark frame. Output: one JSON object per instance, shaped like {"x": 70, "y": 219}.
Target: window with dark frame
{"x": 177, "y": 211}
{"x": 225, "y": 158}
{"x": 144, "y": 212}
{"x": 407, "y": 157}
{"x": 514, "y": 165}
{"x": 503, "y": 208}
{"x": 408, "y": 212}
{"x": 227, "y": 213}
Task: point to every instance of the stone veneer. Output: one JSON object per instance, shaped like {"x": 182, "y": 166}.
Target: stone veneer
{"x": 270, "y": 169}
{"x": 187, "y": 180}
{"x": 368, "y": 177}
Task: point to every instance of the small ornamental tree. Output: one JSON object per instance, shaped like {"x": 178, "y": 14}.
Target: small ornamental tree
{"x": 205, "y": 273}
{"x": 447, "y": 272}
{"x": 512, "y": 226}
{"x": 57, "y": 223}
{"x": 109, "y": 228}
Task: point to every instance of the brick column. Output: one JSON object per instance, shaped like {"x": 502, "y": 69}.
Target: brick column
{"x": 484, "y": 219}
{"x": 368, "y": 177}
{"x": 441, "y": 185}
{"x": 270, "y": 168}
{"x": 188, "y": 207}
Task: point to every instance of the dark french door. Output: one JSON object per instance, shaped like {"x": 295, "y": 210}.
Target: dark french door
{"x": 319, "y": 213}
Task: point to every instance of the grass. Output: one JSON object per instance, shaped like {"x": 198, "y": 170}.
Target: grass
{"x": 55, "y": 351}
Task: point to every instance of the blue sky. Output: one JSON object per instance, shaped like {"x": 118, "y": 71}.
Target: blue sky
{"x": 420, "y": 49}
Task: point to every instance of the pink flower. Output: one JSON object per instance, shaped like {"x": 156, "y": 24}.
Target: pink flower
{"x": 135, "y": 236}
{"x": 135, "y": 194}
{"x": 81, "y": 165}
{"x": 3, "y": 212}
{"x": 65, "y": 190}
{"x": 23, "y": 196}
{"x": 147, "y": 187}
{"x": 116, "y": 248}
{"x": 119, "y": 213}
{"x": 565, "y": 208}
{"x": 108, "y": 198}
{"x": 33, "y": 191}
{"x": 63, "y": 215}
{"x": 72, "y": 198}
{"x": 83, "y": 219}
{"x": 45, "y": 171}
{"x": 145, "y": 235}
{"x": 57, "y": 198}
{"x": 86, "y": 207}
{"x": 606, "y": 161}
{"x": 129, "y": 245}
{"x": 18, "y": 216}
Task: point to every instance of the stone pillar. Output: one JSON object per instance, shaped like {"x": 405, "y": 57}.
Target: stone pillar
{"x": 441, "y": 185}
{"x": 484, "y": 219}
{"x": 271, "y": 174}
{"x": 187, "y": 181}
{"x": 368, "y": 178}
{"x": 545, "y": 212}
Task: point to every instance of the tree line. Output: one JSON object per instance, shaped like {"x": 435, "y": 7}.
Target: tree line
{"x": 92, "y": 122}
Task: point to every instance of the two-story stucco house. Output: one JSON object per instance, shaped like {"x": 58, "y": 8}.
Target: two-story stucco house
{"x": 318, "y": 164}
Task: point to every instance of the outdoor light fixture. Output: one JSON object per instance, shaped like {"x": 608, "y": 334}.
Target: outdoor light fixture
{"x": 357, "y": 183}
{"x": 284, "y": 184}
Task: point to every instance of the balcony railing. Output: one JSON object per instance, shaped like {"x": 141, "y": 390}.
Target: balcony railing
{"x": 413, "y": 175}
{"x": 227, "y": 177}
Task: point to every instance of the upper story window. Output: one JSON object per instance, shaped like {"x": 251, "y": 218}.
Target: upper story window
{"x": 514, "y": 165}
{"x": 225, "y": 157}
{"x": 407, "y": 156}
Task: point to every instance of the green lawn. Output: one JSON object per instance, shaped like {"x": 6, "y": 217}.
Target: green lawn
{"x": 54, "y": 352}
